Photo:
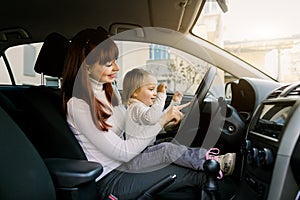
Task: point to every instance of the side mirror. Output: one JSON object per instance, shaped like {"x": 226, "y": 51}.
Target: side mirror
{"x": 228, "y": 91}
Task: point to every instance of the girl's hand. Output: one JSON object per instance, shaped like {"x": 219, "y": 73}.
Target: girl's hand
{"x": 162, "y": 87}
{"x": 177, "y": 96}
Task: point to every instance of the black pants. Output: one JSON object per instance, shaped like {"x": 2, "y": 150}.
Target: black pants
{"x": 126, "y": 185}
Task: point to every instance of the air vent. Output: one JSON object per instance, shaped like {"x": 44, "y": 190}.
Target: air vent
{"x": 277, "y": 92}
{"x": 295, "y": 92}
{"x": 291, "y": 90}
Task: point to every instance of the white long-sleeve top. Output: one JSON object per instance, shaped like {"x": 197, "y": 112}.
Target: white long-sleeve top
{"x": 140, "y": 117}
{"x": 106, "y": 147}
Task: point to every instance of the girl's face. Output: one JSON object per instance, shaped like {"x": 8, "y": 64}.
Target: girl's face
{"x": 146, "y": 94}
{"x": 104, "y": 73}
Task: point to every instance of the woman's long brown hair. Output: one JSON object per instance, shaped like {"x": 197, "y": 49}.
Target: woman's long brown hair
{"x": 88, "y": 47}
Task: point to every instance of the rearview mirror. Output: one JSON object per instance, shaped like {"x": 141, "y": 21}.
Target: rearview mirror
{"x": 223, "y": 5}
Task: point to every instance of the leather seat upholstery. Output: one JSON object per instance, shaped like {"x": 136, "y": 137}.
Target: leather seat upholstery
{"x": 51, "y": 131}
{"x": 23, "y": 172}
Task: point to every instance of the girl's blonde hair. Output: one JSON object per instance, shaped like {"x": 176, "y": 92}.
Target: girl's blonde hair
{"x": 133, "y": 80}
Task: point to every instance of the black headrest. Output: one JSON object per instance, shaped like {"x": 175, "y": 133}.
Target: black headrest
{"x": 51, "y": 58}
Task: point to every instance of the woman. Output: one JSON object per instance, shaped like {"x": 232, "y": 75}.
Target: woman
{"x": 96, "y": 116}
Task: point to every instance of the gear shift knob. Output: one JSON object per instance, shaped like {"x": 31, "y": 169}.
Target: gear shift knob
{"x": 210, "y": 188}
{"x": 211, "y": 167}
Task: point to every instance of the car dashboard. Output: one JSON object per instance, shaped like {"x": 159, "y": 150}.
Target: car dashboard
{"x": 247, "y": 94}
{"x": 271, "y": 147}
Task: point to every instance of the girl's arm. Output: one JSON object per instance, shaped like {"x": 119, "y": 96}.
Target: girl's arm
{"x": 151, "y": 115}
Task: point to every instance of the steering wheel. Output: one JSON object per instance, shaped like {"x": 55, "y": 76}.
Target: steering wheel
{"x": 205, "y": 85}
{"x": 189, "y": 125}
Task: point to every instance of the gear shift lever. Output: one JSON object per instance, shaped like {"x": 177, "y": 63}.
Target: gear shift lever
{"x": 210, "y": 190}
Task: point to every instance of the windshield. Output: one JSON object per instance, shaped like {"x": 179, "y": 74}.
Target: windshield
{"x": 265, "y": 34}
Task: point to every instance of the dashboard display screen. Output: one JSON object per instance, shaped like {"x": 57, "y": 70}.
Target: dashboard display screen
{"x": 272, "y": 119}
{"x": 275, "y": 113}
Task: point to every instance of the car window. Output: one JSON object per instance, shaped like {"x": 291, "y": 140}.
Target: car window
{"x": 266, "y": 34}
{"x": 4, "y": 76}
{"x": 181, "y": 71}
{"x": 21, "y": 60}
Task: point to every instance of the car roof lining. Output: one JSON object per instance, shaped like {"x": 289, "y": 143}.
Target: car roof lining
{"x": 39, "y": 18}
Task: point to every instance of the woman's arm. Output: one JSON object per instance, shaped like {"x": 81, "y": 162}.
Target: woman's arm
{"x": 107, "y": 143}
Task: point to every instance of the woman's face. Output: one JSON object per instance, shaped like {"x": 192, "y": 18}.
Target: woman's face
{"x": 104, "y": 73}
{"x": 146, "y": 94}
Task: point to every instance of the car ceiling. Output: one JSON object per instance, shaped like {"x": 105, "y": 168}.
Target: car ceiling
{"x": 39, "y": 18}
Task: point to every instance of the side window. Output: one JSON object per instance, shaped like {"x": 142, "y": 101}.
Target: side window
{"x": 4, "y": 76}
{"x": 181, "y": 71}
{"x": 21, "y": 59}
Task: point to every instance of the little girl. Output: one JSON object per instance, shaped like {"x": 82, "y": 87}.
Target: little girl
{"x": 145, "y": 102}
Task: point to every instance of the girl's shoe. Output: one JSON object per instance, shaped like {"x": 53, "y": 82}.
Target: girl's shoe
{"x": 227, "y": 161}
{"x": 212, "y": 154}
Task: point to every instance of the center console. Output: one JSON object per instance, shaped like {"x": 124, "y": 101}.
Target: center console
{"x": 268, "y": 146}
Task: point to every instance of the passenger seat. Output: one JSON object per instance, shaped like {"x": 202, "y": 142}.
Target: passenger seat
{"x": 23, "y": 173}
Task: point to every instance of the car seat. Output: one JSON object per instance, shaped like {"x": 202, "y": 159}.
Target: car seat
{"x": 21, "y": 165}
{"x": 47, "y": 126}
{"x": 24, "y": 174}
